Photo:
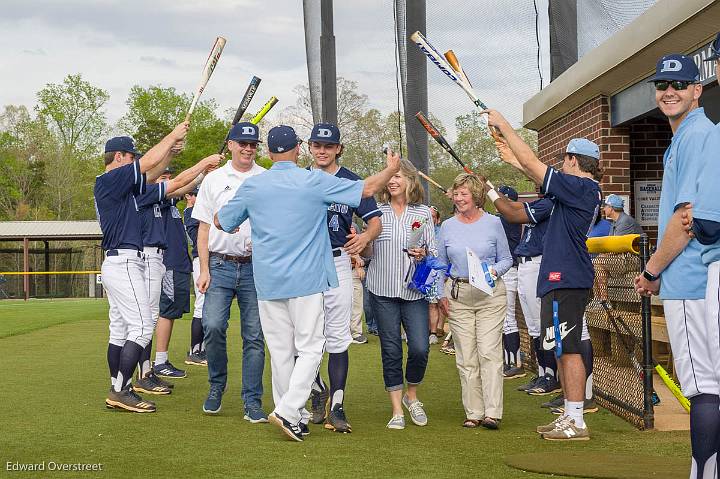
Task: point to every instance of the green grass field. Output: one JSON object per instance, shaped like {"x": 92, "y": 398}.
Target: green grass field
{"x": 55, "y": 378}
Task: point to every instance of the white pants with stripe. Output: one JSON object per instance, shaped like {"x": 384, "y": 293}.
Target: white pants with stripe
{"x": 154, "y": 274}
{"x": 199, "y": 297}
{"x": 689, "y": 338}
{"x": 338, "y": 307}
{"x": 528, "y": 272}
{"x": 356, "y": 327}
{"x": 293, "y": 327}
{"x": 511, "y": 288}
{"x": 712, "y": 316}
{"x": 123, "y": 278}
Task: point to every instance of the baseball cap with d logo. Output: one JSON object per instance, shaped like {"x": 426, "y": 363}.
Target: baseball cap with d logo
{"x": 325, "y": 133}
{"x": 676, "y": 67}
{"x": 245, "y": 131}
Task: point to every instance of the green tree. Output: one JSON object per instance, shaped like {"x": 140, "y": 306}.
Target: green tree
{"x": 154, "y": 111}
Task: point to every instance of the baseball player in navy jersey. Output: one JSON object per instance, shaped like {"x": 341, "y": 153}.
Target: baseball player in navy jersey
{"x": 293, "y": 264}
{"x": 196, "y": 355}
{"x": 678, "y": 269}
{"x": 123, "y": 268}
{"x": 155, "y": 246}
{"x": 326, "y": 149}
{"x": 566, "y": 272}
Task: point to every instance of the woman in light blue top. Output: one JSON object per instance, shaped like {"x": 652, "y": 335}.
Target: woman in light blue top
{"x": 475, "y": 317}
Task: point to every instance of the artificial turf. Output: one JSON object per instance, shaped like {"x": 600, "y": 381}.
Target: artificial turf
{"x": 55, "y": 378}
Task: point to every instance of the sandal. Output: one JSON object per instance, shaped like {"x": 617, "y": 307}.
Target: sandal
{"x": 490, "y": 423}
{"x": 471, "y": 423}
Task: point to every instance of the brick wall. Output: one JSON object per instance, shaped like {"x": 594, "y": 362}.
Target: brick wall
{"x": 644, "y": 141}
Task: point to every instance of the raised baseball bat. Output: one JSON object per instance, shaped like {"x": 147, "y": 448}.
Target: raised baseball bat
{"x": 210, "y": 65}
{"x": 244, "y": 103}
{"x": 263, "y": 111}
{"x": 430, "y": 180}
{"x": 455, "y": 64}
{"x": 437, "y": 136}
{"x": 442, "y": 63}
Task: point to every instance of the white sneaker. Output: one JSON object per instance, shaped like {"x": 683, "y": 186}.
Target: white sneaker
{"x": 433, "y": 339}
{"x": 397, "y": 422}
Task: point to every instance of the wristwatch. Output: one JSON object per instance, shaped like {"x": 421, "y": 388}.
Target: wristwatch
{"x": 649, "y": 276}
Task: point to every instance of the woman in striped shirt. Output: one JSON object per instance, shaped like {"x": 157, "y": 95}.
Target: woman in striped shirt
{"x": 476, "y": 318}
{"x": 392, "y": 302}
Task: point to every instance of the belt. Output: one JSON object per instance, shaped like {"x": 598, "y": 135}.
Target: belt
{"x": 526, "y": 259}
{"x": 234, "y": 259}
{"x": 460, "y": 280}
{"x": 125, "y": 252}
{"x": 337, "y": 253}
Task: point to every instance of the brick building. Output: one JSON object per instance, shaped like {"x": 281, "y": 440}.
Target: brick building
{"x": 605, "y": 97}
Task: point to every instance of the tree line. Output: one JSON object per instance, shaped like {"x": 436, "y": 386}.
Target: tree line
{"x": 51, "y": 152}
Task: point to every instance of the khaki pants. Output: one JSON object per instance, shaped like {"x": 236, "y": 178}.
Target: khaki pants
{"x": 356, "y": 328}
{"x": 476, "y": 322}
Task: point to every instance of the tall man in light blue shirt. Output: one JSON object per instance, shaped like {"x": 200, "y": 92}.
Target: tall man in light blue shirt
{"x": 676, "y": 268}
{"x": 293, "y": 264}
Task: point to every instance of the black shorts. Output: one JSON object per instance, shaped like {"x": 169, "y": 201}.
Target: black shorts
{"x": 175, "y": 295}
{"x": 571, "y": 308}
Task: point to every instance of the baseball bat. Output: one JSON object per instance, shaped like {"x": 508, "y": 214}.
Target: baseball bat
{"x": 244, "y": 103}
{"x": 442, "y": 63}
{"x": 667, "y": 380}
{"x": 437, "y": 136}
{"x": 455, "y": 64}
{"x": 263, "y": 111}
{"x": 430, "y": 180}
{"x": 210, "y": 65}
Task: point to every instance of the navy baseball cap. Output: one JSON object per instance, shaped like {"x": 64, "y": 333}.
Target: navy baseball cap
{"x": 509, "y": 192}
{"x": 325, "y": 133}
{"x": 169, "y": 170}
{"x": 715, "y": 47}
{"x": 282, "y": 139}
{"x": 245, "y": 131}
{"x": 581, "y": 146}
{"x": 121, "y": 143}
{"x": 194, "y": 192}
{"x": 676, "y": 67}
{"x": 615, "y": 202}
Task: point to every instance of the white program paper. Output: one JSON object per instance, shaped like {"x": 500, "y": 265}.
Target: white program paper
{"x": 476, "y": 275}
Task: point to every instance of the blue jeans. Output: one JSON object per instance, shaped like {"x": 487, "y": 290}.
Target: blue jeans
{"x": 367, "y": 309}
{"x": 229, "y": 279}
{"x": 390, "y": 313}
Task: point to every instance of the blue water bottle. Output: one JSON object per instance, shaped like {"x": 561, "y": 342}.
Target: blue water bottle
{"x": 556, "y": 327}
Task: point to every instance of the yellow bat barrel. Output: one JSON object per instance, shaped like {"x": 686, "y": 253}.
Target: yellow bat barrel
{"x": 614, "y": 244}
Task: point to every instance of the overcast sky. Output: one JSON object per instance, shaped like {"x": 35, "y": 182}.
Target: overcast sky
{"x": 116, "y": 45}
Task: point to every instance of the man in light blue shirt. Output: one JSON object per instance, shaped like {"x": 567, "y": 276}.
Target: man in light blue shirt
{"x": 293, "y": 264}
{"x": 676, "y": 268}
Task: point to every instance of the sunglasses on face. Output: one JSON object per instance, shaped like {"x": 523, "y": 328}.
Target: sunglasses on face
{"x": 245, "y": 144}
{"x": 677, "y": 85}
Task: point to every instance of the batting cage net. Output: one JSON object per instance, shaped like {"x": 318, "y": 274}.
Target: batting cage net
{"x": 64, "y": 270}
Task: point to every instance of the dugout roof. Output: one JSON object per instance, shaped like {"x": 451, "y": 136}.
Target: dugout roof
{"x": 50, "y": 230}
{"x": 626, "y": 59}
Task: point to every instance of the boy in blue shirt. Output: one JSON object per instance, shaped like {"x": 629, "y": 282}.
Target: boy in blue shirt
{"x": 566, "y": 272}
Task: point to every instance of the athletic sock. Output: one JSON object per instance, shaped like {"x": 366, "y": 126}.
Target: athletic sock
{"x": 129, "y": 357}
{"x": 540, "y": 356}
{"x": 113, "y": 359}
{"x": 513, "y": 348}
{"x": 337, "y": 372}
{"x": 586, "y": 352}
{"x": 574, "y": 409}
{"x": 196, "y": 335}
{"x": 144, "y": 361}
{"x": 704, "y": 433}
{"x": 161, "y": 357}
{"x": 318, "y": 385}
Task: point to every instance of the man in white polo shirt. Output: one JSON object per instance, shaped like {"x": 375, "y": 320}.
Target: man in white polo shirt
{"x": 293, "y": 264}
{"x": 226, "y": 272}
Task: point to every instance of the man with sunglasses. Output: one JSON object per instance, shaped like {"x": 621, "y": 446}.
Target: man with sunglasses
{"x": 226, "y": 272}
{"x": 676, "y": 270}
{"x": 325, "y": 148}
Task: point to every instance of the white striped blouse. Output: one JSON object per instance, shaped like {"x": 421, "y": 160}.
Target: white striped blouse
{"x": 389, "y": 265}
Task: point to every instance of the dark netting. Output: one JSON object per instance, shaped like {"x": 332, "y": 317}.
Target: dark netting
{"x": 59, "y": 257}
{"x": 617, "y": 378}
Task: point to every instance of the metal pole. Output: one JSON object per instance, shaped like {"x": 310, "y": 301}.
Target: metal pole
{"x": 327, "y": 63}
{"x": 47, "y": 267}
{"x": 648, "y": 367}
{"x": 26, "y": 268}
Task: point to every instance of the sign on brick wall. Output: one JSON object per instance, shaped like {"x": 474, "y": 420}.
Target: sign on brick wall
{"x": 647, "y": 202}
